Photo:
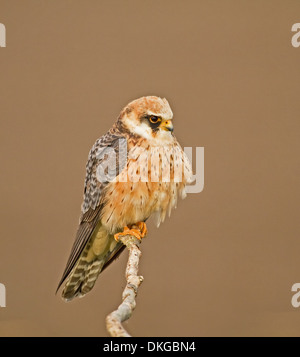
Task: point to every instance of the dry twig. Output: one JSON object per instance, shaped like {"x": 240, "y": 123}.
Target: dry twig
{"x": 124, "y": 311}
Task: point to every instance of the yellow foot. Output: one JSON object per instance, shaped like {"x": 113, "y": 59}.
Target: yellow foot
{"x": 139, "y": 233}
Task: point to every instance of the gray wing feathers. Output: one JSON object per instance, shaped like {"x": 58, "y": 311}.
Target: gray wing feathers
{"x": 99, "y": 156}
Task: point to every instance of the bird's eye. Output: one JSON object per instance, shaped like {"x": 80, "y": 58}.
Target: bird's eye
{"x": 154, "y": 119}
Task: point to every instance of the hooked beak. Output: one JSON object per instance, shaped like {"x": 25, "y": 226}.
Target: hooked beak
{"x": 167, "y": 125}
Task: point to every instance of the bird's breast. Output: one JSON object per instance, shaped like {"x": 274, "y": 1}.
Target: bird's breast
{"x": 150, "y": 183}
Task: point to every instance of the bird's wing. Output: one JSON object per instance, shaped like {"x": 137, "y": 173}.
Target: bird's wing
{"x": 100, "y": 159}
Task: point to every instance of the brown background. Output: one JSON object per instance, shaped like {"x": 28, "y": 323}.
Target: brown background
{"x": 224, "y": 263}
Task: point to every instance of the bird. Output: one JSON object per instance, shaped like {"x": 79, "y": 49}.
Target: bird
{"x": 136, "y": 170}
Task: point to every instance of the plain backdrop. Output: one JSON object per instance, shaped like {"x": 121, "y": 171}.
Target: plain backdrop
{"x": 225, "y": 262}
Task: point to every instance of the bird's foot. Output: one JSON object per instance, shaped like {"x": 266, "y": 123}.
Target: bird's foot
{"x": 142, "y": 228}
{"x": 138, "y": 230}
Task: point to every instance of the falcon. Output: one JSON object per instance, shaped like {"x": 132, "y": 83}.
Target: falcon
{"x": 136, "y": 170}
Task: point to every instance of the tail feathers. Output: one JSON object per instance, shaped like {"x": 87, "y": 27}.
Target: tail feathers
{"x": 82, "y": 279}
{"x": 97, "y": 254}
{"x": 91, "y": 275}
{"x": 83, "y": 276}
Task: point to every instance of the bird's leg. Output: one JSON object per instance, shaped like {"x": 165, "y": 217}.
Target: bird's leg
{"x": 139, "y": 230}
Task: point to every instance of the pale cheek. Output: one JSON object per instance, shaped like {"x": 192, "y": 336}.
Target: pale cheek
{"x": 163, "y": 136}
{"x": 144, "y": 131}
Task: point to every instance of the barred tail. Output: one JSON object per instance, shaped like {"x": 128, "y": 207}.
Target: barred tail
{"x": 84, "y": 275}
{"x": 97, "y": 254}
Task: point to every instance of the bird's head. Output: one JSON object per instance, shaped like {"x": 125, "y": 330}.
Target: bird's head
{"x": 149, "y": 117}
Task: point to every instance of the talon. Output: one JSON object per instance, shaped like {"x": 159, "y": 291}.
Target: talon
{"x": 126, "y": 232}
{"x": 142, "y": 228}
{"x": 138, "y": 233}
{"x": 135, "y": 232}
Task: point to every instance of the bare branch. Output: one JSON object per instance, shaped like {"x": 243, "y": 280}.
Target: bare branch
{"x": 114, "y": 320}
